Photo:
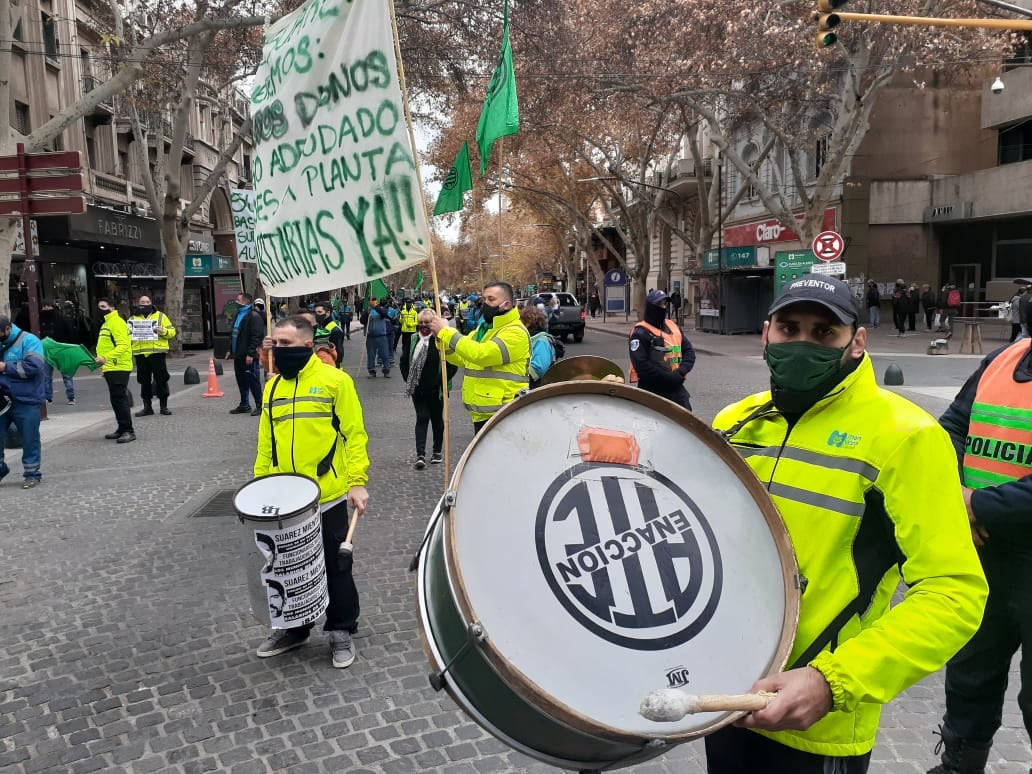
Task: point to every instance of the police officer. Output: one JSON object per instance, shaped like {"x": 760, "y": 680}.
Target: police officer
{"x": 115, "y": 356}
{"x": 496, "y": 355}
{"x": 990, "y": 423}
{"x": 661, "y": 356}
{"x": 866, "y": 485}
{"x": 311, "y": 424}
{"x": 150, "y": 357}
{"x": 326, "y": 328}
{"x": 408, "y": 315}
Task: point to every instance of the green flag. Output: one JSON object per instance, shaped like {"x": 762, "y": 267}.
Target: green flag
{"x": 501, "y": 114}
{"x": 376, "y": 289}
{"x": 67, "y": 358}
{"x": 459, "y": 180}
{"x": 419, "y": 280}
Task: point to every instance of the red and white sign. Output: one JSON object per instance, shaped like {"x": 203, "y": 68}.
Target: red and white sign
{"x": 770, "y": 231}
{"x": 828, "y": 245}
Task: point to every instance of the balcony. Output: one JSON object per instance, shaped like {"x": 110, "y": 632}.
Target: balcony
{"x": 686, "y": 168}
{"x": 1014, "y": 104}
{"x": 105, "y": 111}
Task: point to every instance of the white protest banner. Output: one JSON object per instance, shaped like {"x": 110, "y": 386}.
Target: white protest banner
{"x": 241, "y": 201}
{"x": 337, "y": 197}
{"x": 143, "y": 330}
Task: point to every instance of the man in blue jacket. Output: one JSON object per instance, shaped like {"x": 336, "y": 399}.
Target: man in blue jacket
{"x": 21, "y": 390}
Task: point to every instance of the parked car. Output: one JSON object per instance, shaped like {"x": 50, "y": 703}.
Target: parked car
{"x": 571, "y": 317}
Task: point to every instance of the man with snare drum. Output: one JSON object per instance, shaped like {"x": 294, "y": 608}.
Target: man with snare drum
{"x": 311, "y": 424}
{"x": 867, "y": 486}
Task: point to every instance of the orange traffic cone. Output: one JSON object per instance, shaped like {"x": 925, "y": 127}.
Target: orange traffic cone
{"x": 213, "y": 381}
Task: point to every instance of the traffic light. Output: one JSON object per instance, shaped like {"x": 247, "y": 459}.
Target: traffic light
{"x": 827, "y": 21}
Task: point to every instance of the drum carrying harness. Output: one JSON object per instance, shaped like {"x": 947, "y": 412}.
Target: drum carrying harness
{"x": 867, "y": 582}
{"x": 326, "y": 463}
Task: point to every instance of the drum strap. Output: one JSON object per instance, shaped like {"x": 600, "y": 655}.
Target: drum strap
{"x": 728, "y": 434}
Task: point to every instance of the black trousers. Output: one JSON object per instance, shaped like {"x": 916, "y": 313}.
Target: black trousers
{"x": 929, "y": 316}
{"x": 152, "y": 368}
{"x": 976, "y": 678}
{"x": 117, "y": 382}
{"x": 911, "y": 320}
{"x": 429, "y": 411}
{"x": 733, "y": 750}
{"x": 1015, "y": 332}
{"x": 899, "y": 319}
{"x": 342, "y": 613}
{"x": 248, "y": 381}
{"x": 406, "y": 342}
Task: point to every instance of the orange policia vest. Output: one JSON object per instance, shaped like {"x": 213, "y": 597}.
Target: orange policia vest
{"x": 998, "y": 448}
{"x": 671, "y": 340}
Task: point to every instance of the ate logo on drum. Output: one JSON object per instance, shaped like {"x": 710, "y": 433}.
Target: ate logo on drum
{"x": 629, "y": 555}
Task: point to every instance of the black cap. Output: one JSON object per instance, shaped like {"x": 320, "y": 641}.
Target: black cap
{"x": 833, "y": 294}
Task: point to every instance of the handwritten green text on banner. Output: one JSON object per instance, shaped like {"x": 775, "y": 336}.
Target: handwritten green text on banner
{"x": 337, "y": 198}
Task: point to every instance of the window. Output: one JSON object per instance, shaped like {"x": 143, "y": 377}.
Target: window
{"x": 123, "y": 164}
{"x": 820, "y": 155}
{"x": 749, "y": 156}
{"x": 22, "y": 121}
{"x": 1016, "y": 144}
{"x": 49, "y": 36}
{"x": 245, "y": 171}
{"x": 91, "y": 147}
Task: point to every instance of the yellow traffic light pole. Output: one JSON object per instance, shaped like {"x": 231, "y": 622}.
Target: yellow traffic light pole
{"x": 934, "y": 21}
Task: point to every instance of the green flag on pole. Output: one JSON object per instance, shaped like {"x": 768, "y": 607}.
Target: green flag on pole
{"x": 419, "y": 280}
{"x": 501, "y": 114}
{"x": 376, "y": 289}
{"x": 67, "y": 358}
{"x": 459, "y": 180}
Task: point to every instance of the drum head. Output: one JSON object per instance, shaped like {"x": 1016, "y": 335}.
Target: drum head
{"x": 610, "y": 544}
{"x": 275, "y": 497}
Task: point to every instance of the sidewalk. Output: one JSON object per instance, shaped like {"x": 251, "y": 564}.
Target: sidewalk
{"x": 880, "y": 341}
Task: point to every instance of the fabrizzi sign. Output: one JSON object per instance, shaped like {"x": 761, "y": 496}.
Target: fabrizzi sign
{"x": 337, "y": 195}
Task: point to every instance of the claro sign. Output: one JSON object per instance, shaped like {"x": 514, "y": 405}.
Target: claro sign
{"x": 770, "y": 231}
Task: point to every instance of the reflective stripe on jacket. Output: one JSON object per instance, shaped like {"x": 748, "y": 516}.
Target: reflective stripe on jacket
{"x": 671, "y": 340}
{"x": 302, "y": 416}
{"x": 998, "y": 448}
{"x": 867, "y": 485}
{"x": 113, "y": 343}
{"x": 408, "y": 320}
{"x": 161, "y": 344}
{"x": 496, "y": 358}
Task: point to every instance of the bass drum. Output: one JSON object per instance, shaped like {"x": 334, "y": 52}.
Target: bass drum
{"x": 598, "y": 542}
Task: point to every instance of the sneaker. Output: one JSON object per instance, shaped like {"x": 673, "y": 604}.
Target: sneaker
{"x": 114, "y": 436}
{"x": 420, "y": 462}
{"x": 241, "y": 409}
{"x": 127, "y": 437}
{"x": 146, "y": 411}
{"x": 30, "y": 483}
{"x": 71, "y": 401}
{"x": 343, "y": 649}
{"x": 372, "y": 374}
{"x": 256, "y": 411}
{"x": 436, "y": 459}
{"x": 386, "y": 374}
{"x": 282, "y": 640}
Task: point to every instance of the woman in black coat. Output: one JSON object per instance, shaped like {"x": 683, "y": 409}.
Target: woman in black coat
{"x": 421, "y": 370}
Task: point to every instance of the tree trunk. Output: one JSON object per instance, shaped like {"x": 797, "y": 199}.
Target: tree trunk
{"x": 175, "y": 267}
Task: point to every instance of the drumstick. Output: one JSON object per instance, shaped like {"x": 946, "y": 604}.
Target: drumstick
{"x": 347, "y": 548}
{"x": 668, "y": 705}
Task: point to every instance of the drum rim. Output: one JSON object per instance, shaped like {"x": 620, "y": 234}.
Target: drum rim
{"x": 277, "y": 516}
{"x": 528, "y": 688}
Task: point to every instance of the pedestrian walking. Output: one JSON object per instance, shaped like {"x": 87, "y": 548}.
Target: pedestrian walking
{"x": 661, "y": 356}
{"x": 150, "y": 354}
{"x": 421, "y": 370}
{"x": 930, "y": 304}
{"x": 377, "y": 323}
{"x": 873, "y": 304}
{"x": 594, "y": 304}
{"x": 495, "y": 356}
{"x": 837, "y": 454}
{"x": 675, "y": 305}
{"x": 22, "y": 373}
{"x": 408, "y": 317}
{"x": 312, "y": 425}
{"x": 990, "y": 423}
{"x": 543, "y": 351}
{"x": 347, "y": 314}
{"x": 326, "y": 328}
{"x": 900, "y": 306}
{"x": 952, "y": 304}
{"x": 913, "y": 307}
{"x": 246, "y": 339}
{"x": 115, "y": 356}
{"x": 54, "y": 325}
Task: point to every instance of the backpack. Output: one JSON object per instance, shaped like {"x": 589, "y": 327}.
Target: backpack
{"x": 953, "y": 299}
{"x": 558, "y": 347}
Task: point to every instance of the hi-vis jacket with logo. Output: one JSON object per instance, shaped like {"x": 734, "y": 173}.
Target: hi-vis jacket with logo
{"x": 319, "y": 430}
{"x": 113, "y": 343}
{"x": 496, "y": 358}
{"x": 409, "y": 317}
{"x": 160, "y": 320}
{"x": 867, "y": 485}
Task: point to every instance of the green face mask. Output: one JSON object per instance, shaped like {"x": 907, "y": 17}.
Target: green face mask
{"x": 801, "y": 373}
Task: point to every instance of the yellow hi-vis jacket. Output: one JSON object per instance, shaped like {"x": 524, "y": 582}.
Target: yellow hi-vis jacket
{"x": 408, "y": 319}
{"x": 319, "y": 430}
{"x": 867, "y": 485}
{"x": 160, "y": 320}
{"x": 113, "y": 343}
{"x": 496, "y": 358}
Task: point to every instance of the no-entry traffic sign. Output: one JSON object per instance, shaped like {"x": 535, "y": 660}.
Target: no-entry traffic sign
{"x": 828, "y": 245}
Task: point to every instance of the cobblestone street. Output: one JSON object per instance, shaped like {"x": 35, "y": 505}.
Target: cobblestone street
{"x": 129, "y": 644}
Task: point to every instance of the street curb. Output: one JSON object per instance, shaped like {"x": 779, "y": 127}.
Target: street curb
{"x": 703, "y": 350}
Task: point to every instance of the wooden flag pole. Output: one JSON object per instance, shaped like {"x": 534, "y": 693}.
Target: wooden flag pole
{"x": 432, "y": 260}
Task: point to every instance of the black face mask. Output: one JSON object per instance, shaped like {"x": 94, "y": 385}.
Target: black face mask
{"x": 145, "y": 310}
{"x": 321, "y": 318}
{"x": 290, "y": 360}
{"x": 103, "y": 311}
{"x": 803, "y": 372}
{"x": 489, "y": 312}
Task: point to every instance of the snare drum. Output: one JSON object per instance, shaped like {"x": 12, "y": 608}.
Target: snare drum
{"x": 283, "y": 549}
{"x": 597, "y": 543}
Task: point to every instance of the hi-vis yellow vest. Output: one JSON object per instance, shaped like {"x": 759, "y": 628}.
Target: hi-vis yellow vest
{"x": 998, "y": 448}
{"x": 408, "y": 320}
{"x": 867, "y": 485}
{"x": 160, "y": 319}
